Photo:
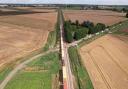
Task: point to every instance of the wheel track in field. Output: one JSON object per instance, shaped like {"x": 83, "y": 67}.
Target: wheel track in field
{"x": 110, "y": 57}
{"x": 113, "y": 60}
{"x": 99, "y": 70}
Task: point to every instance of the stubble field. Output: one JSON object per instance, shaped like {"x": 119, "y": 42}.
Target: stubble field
{"x": 106, "y": 61}
{"x": 96, "y": 16}
{"x": 22, "y": 32}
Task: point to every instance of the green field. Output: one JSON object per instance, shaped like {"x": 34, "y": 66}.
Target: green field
{"x": 81, "y": 76}
{"x": 39, "y": 74}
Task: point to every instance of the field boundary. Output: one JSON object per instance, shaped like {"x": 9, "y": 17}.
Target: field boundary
{"x": 80, "y": 73}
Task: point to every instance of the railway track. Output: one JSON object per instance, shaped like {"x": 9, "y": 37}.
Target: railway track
{"x": 67, "y": 73}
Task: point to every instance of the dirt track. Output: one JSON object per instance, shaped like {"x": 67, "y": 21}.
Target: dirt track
{"x": 106, "y": 62}
{"x": 24, "y": 33}
{"x": 96, "y": 16}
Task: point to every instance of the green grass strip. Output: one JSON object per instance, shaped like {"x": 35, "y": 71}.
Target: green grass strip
{"x": 81, "y": 75}
{"x": 51, "y": 41}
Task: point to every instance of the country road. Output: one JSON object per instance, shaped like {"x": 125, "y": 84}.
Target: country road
{"x": 21, "y": 66}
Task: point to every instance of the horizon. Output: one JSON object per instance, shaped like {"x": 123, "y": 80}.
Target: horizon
{"x": 92, "y": 2}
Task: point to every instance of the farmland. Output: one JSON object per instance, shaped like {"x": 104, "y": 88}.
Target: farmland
{"x": 22, "y": 32}
{"x": 30, "y": 37}
{"x": 39, "y": 74}
{"x": 96, "y": 16}
{"x": 106, "y": 61}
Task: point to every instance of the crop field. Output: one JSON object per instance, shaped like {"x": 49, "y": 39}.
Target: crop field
{"x": 22, "y": 32}
{"x": 96, "y": 16}
{"x": 106, "y": 61}
{"x": 42, "y": 73}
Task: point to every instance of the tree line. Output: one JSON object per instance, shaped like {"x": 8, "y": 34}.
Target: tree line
{"x": 76, "y": 30}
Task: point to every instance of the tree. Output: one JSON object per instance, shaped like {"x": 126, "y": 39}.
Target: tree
{"x": 70, "y": 21}
{"x": 91, "y": 30}
{"x": 77, "y": 23}
{"x": 123, "y": 9}
{"x": 89, "y": 25}
{"x": 67, "y": 30}
{"x": 127, "y": 15}
{"x": 66, "y": 24}
{"x": 80, "y": 33}
{"x": 99, "y": 27}
{"x": 68, "y": 36}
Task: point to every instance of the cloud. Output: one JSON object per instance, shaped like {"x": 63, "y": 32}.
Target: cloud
{"x": 106, "y": 2}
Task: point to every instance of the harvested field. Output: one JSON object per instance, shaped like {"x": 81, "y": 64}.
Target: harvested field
{"x": 22, "y": 33}
{"x": 106, "y": 62}
{"x": 96, "y": 16}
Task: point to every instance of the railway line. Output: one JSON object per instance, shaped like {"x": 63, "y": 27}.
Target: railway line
{"x": 67, "y": 73}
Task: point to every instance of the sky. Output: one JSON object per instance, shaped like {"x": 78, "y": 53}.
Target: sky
{"x": 99, "y": 2}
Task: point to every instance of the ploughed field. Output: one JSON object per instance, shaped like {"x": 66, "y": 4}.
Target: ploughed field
{"x": 23, "y": 31}
{"x": 96, "y": 16}
{"x": 106, "y": 60}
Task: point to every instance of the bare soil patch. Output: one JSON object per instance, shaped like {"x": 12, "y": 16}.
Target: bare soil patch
{"x": 96, "y": 16}
{"x": 106, "y": 62}
{"x": 35, "y": 69}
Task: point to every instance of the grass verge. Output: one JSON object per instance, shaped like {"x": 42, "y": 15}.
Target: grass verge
{"x": 82, "y": 43}
{"x": 51, "y": 41}
{"x": 81, "y": 75}
{"x": 42, "y": 73}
